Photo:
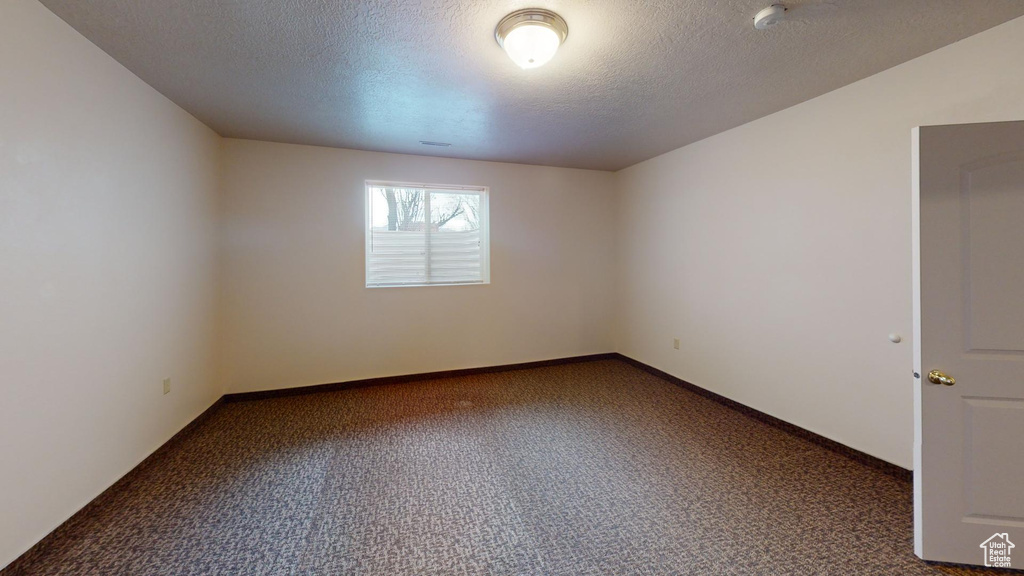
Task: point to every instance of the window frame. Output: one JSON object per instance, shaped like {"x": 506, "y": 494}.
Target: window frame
{"x": 485, "y": 229}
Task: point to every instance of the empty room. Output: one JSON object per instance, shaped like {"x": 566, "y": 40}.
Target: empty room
{"x": 456, "y": 287}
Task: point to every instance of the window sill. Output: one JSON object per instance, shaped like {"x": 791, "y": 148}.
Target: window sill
{"x": 426, "y": 285}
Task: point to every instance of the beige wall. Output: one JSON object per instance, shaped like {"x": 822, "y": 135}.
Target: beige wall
{"x": 297, "y": 309}
{"x": 107, "y": 283}
{"x": 779, "y": 252}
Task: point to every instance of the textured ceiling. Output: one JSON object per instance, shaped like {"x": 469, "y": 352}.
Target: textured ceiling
{"x": 635, "y": 78}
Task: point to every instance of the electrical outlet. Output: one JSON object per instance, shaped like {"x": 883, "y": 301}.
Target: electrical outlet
{"x": 675, "y": 343}
{"x": 167, "y": 385}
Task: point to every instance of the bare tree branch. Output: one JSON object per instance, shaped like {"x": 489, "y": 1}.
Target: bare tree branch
{"x": 446, "y": 217}
{"x": 405, "y": 210}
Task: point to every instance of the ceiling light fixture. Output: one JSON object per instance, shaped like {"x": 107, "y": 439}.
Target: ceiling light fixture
{"x": 431, "y": 143}
{"x": 531, "y": 37}
{"x": 770, "y": 16}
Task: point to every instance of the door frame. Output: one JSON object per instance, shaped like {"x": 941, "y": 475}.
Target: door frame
{"x": 915, "y": 234}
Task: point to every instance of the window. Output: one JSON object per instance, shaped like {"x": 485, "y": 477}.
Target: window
{"x": 419, "y": 234}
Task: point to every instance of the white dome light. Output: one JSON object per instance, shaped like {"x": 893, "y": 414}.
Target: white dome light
{"x": 531, "y": 37}
{"x": 769, "y": 17}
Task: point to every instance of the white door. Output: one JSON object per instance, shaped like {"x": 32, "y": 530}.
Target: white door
{"x": 969, "y": 327}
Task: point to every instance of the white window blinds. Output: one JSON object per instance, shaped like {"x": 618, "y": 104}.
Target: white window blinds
{"x": 421, "y": 235}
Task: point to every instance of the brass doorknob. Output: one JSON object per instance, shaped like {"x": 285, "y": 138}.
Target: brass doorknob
{"x": 937, "y": 377}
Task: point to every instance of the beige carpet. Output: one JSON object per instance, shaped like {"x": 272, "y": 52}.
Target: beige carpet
{"x": 594, "y": 468}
